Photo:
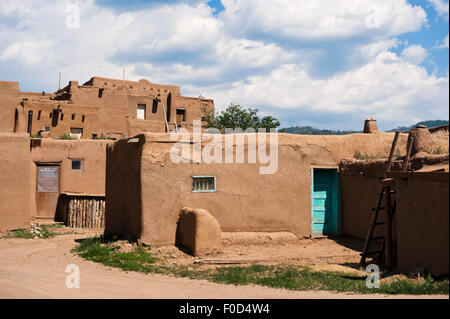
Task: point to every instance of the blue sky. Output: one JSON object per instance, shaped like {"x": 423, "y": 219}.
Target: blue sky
{"x": 329, "y": 64}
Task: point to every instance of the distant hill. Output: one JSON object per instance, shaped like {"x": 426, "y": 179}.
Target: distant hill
{"x": 308, "y": 130}
{"x": 425, "y": 123}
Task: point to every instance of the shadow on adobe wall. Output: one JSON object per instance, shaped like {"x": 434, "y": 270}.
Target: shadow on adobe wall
{"x": 123, "y": 215}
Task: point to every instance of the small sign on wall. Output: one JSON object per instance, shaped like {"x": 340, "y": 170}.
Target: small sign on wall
{"x": 48, "y": 180}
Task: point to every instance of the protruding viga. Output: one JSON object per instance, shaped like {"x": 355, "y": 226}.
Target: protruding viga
{"x": 199, "y": 232}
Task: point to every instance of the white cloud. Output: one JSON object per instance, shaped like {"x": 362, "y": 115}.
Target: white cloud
{"x": 254, "y": 53}
{"x": 312, "y": 20}
{"x": 415, "y": 54}
{"x": 443, "y": 44}
{"x": 371, "y": 50}
{"x": 389, "y": 88}
{"x": 440, "y": 6}
{"x": 29, "y": 52}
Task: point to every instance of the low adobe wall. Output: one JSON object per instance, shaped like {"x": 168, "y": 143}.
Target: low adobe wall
{"x": 360, "y": 184}
{"x": 15, "y": 180}
{"x": 146, "y": 190}
{"x": 423, "y": 222}
{"x": 420, "y": 227}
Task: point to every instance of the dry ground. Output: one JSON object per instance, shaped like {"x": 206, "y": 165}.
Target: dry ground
{"x": 35, "y": 268}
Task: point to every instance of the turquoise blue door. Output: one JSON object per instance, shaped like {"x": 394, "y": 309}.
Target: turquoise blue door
{"x": 324, "y": 202}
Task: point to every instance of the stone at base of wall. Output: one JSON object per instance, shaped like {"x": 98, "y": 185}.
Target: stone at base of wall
{"x": 251, "y": 238}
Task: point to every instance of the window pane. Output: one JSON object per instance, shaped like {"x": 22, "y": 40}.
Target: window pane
{"x": 203, "y": 184}
{"x": 76, "y": 164}
{"x": 141, "y": 111}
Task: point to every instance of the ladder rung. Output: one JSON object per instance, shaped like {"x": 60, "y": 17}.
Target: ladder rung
{"x": 374, "y": 209}
{"x": 377, "y": 238}
{"x": 380, "y": 223}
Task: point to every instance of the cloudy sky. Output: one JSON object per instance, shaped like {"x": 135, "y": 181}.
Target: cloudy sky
{"x": 325, "y": 63}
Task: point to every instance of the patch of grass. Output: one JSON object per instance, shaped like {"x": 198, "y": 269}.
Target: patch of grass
{"x": 363, "y": 156}
{"x": 44, "y": 232}
{"x": 99, "y": 249}
{"x": 66, "y": 137}
{"x": 20, "y": 233}
{"x": 439, "y": 150}
{"x": 103, "y": 251}
{"x": 303, "y": 278}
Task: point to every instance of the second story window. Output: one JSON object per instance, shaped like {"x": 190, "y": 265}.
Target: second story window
{"x": 141, "y": 111}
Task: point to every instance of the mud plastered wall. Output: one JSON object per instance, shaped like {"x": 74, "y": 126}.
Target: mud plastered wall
{"x": 245, "y": 200}
{"x": 15, "y": 181}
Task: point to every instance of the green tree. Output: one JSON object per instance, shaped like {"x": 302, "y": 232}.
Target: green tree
{"x": 235, "y": 116}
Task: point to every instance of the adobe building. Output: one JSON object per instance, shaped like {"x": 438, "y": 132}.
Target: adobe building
{"x": 145, "y": 190}
{"x": 49, "y": 178}
{"x": 132, "y": 187}
{"x": 314, "y": 192}
{"x": 101, "y": 107}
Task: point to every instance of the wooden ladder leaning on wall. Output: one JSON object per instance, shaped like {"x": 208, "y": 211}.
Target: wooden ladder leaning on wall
{"x": 167, "y": 123}
{"x": 386, "y": 191}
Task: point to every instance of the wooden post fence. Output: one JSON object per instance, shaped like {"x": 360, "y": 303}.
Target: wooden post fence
{"x": 85, "y": 212}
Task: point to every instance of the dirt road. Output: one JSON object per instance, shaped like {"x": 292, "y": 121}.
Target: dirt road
{"x": 36, "y": 269}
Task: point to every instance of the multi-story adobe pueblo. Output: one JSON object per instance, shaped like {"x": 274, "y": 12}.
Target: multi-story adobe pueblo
{"x": 103, "y": 107}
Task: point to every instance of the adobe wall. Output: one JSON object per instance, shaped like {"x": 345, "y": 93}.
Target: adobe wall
{"x": 123, "y": 189}
{"x": 194, "y": 107}
{"x": 134, "y": 87}
{"x": 9, "y": 101}
{"x": 109, "y": 107}
{"x": 135, "y": 127}
{"x": 423, "y": 222}
{"x": 245, "y": 200}
{"x": 85, "y": 117}
{"x": 89, "y": 180}
{"x": 15, "y": 179}
{"x": 360, "y": 184}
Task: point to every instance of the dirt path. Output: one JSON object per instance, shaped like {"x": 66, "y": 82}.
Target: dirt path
{"x": 36, "y": 269}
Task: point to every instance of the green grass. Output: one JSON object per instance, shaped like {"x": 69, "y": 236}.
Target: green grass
{"x": 66, "y": 137}
{"x": 105, "y": 252}
{"x": 364, "y": 156}
{"x": 44, "y": 232}
{"x": 139, "y": 259}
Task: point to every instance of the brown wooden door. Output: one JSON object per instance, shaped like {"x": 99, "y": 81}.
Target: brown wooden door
{"x": 47, "y": 191}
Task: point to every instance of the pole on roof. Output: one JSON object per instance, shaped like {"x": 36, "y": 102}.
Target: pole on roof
{"x": 59, "y": 81}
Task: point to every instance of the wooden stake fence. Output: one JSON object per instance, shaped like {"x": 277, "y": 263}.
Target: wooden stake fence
{"x": 85, "y": 212}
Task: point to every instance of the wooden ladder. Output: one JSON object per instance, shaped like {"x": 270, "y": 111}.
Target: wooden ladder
{"x": 385, "y": 192}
